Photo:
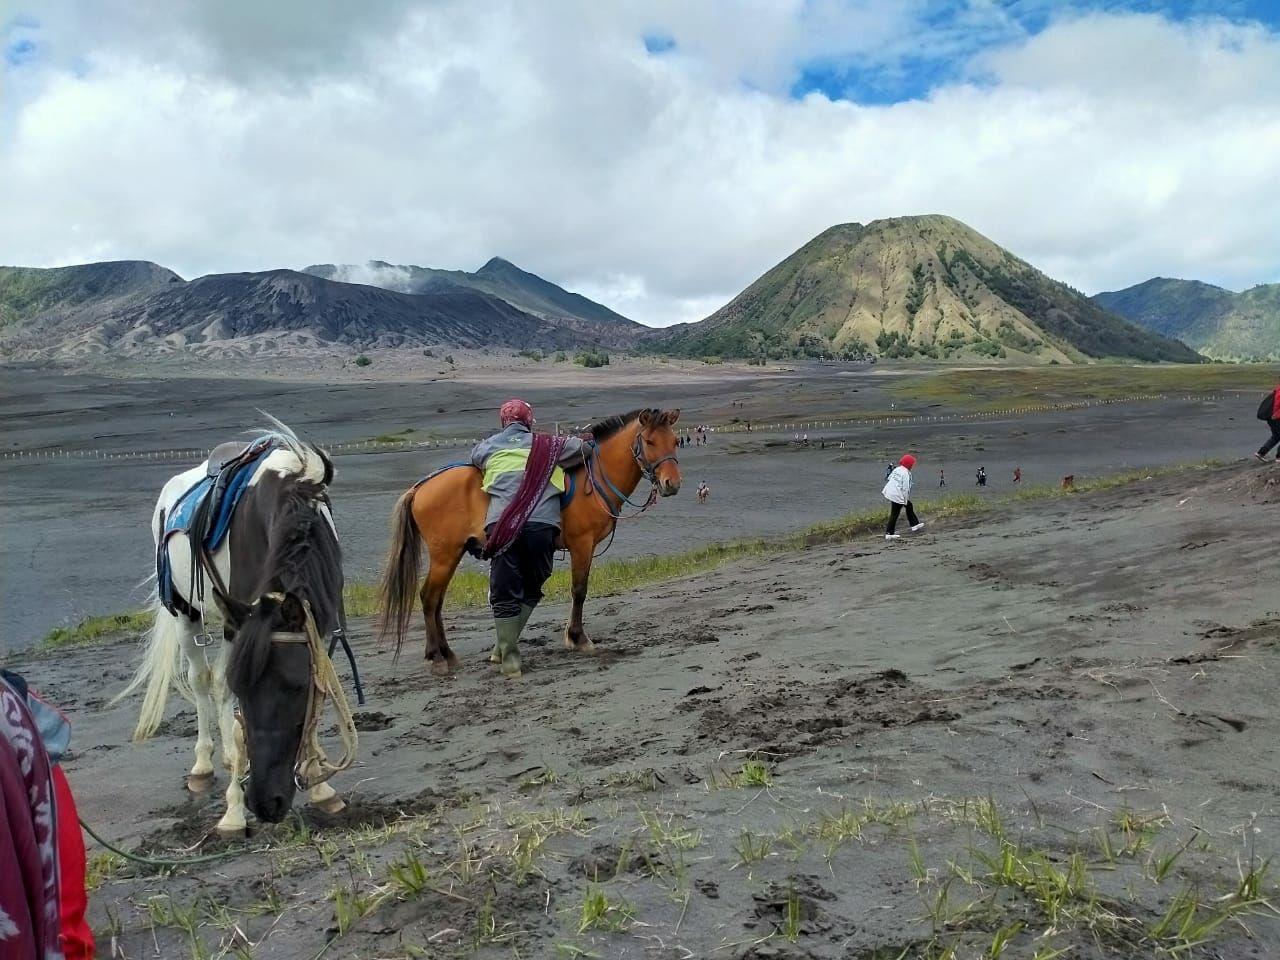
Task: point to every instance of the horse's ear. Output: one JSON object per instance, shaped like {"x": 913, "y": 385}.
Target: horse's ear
{"x": 669, "y": 417}
{"x": 646, "y": 418}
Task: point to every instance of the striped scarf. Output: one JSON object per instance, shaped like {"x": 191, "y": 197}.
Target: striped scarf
{"x": 544, "y": 454}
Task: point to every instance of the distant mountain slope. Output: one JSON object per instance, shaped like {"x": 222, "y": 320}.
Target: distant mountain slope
{"x": 915, "y": 286}
{"x": 235, "y": 305}
{"x": 498, "y": 277}
{"x": 1217, "y": 322}
{"x": 58, "y": 296}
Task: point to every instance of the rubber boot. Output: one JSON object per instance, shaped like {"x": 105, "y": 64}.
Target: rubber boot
{"x": 508, "y": 629}
{"x": 526, "y": 611}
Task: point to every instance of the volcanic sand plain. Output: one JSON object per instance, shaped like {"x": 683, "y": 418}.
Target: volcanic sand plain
{"x": 1048, "y": 726}
{"x": 62, "y": 506}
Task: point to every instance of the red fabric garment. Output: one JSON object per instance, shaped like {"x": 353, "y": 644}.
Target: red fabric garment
{"x": 544, "y": 453}
{"x": 908, "y": 461}
{"x": 1275, "y": 404}
{"x": 77, "y": 938}
{"x": 28, "y": 843}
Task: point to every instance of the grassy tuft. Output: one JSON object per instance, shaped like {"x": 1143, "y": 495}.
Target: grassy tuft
{"x": 93, "y": 629}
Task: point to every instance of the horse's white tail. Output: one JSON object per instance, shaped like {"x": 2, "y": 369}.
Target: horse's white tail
{"x": 161, "y": 669}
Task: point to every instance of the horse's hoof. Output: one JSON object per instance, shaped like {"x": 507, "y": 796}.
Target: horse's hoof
{"x": 200, "y": 782}
{"x": 334, "y": 804}
{"x": 439, "y": 668}
{"x": 453, "y": 662}
{"x": 582, "y": 646}
{"x": 233, "y": 829}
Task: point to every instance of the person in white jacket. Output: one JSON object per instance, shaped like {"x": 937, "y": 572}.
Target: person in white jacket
{"x": 897, "y": 490}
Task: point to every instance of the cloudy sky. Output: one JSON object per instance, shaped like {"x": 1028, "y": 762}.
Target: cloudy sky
{"x": 657, "y": 156}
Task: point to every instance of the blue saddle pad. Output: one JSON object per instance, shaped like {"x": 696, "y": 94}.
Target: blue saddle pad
{"x": 180, "y": 517}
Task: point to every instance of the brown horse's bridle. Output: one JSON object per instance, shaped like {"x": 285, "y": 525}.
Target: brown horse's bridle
{"x": 648, "y": 470}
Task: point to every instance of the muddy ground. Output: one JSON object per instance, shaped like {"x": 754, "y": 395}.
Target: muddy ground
{"x": 1052, "y": 728}
{"x": 762, "y": 485}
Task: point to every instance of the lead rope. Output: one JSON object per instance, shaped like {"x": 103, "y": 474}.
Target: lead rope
{"x": 313, "y": 766}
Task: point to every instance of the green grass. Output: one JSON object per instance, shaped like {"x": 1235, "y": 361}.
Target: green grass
{"x": 400, "y": 436}
{"x": 93, "y": 629}
{"x": 470, "y": 587}
{"x": 1003, "y": 389}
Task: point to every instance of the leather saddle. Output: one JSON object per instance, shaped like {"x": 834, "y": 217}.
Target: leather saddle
{"x": 225, "y": 453}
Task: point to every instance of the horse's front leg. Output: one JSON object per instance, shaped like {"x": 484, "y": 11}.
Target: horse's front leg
{"x": 581, "y": 550}
{"x": 325, "y": 799}
{"x": 200, "y": 678}
{"x": 233, "y": 822}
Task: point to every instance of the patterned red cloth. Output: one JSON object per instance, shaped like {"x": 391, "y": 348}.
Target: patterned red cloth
{"x": 544, "y": 454}
{"x": 29, "y": 905}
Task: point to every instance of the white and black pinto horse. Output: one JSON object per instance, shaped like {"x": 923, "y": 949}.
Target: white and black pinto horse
{"x": 281, "y": 565}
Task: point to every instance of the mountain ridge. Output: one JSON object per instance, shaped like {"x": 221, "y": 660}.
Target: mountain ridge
{"x": 927, "y": 286}
{"x": 1223, "y": 324}
{"x": 497, "y": 277}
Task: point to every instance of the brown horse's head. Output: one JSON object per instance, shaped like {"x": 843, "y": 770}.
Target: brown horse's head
{"x": 658, "y": 449}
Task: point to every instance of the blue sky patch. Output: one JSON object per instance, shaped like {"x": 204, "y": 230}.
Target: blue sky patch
{"x": 657, "y": 43}
{"x": 19, "y": 52}
{"x": 946, "y": 36}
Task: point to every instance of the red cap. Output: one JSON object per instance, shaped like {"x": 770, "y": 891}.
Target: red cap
{"x": 516, "y": 411}
{"x": 908, "y": 461}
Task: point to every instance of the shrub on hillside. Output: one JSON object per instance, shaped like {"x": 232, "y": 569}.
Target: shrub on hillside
{"x": 592, "y": 358}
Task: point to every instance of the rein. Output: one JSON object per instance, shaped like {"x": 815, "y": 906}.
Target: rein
{"x": 312, "y": 766}
{"x": 648, "y": 470}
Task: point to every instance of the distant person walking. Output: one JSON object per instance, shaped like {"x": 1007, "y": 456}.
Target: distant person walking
{"x": 897, "y": 490}
{"x": 888, "y": 469}
{"x": 982, "y": 476}
{"x": 1017, "y": 474}
{"x": 942, "y": 478}
{"x": 1269, "y": 410}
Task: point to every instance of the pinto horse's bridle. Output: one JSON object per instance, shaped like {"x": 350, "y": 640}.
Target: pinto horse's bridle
{"x": 311, "y": 765}
{"x": 648, "y": 470}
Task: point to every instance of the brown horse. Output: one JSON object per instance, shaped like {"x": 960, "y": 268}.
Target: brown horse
{"x": 447, "y": 511}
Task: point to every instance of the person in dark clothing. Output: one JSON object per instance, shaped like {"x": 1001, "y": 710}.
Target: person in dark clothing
{"x": 1269, "y": 411}
{"x": 517, "y": 575}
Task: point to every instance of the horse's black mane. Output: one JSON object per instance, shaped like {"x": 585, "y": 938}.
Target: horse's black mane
{"x": 304, "y": 559}
{"x": 604, "y": 429}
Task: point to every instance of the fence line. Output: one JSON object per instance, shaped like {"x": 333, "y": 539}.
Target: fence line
{"x": 364, "y": 446}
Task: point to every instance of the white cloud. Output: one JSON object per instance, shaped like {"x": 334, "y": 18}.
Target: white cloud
{"x": 213, "y": 137}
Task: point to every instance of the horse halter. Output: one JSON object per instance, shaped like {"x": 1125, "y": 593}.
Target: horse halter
{"x": 649, "y": 470}
{"x": 311, "y": 765}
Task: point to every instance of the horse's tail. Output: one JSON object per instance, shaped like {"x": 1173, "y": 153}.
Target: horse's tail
{"x": 161, "y": 669}
{"x": 400, "y": 578}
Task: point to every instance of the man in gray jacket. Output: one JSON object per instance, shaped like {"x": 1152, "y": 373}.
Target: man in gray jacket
{"x": 516, "y": 575}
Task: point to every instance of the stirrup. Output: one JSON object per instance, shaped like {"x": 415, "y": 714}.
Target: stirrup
{"x": 203, "y": 639}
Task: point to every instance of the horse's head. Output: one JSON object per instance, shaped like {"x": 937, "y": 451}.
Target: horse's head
{"x": 657, "y": 449}
{"x": 270, "y": 672}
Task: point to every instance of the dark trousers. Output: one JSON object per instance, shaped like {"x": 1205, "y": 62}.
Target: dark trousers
{"x": 1275, "y": 438}
{"x": 897, "y": 508}
{"x": 517, "y": 575}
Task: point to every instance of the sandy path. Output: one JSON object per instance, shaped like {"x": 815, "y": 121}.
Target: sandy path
{"x": 1102, "y": 663}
